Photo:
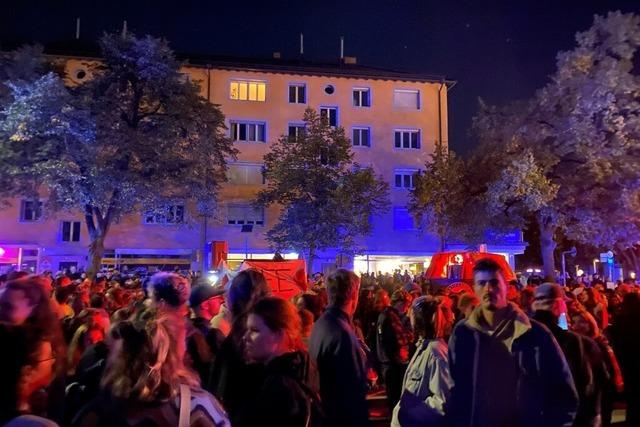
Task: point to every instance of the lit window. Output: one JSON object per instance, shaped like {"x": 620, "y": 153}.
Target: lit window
{"x": 248, "y": 132}
{"x": 30, "y": 210}
{"x": 247, "y": 90}
{"x": 168, "y": 215}
{"x": 404, "y": 178}
{"x": 330, "y": 114}
{"x": 244, "y": 215}
{"x": 408, "y": 99}
{"x": 361, "y": 137}
{"x": 245, "y": 174}
{"x": 407, "y": 139}
{"x": 298, "y": 94}
{"x": 361, "y": 97}
{"x": 71, "y": 231}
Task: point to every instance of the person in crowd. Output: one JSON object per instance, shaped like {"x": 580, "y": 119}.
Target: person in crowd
{"x": 63, "y": 296}
{"x": 582, "y": 354}
{"x": 223, "y": 320}
{"x": 507, "y": 370}
{"x": 307, "y": 325}
{"x": 289, "y": 391}
{"x": 427, "y": 381}
{"x": 335, "y": 349}
{"x": 203, "y": 340}
{"x": 394, "y": 340}
{"x": 231, "y": 378}
{"x": 467, "y": 303}
{"x": 146, "y": 382}
{"x": 596, "y": 304}
{"x": 583, "y": 323}
{"x": 94, "y": 327}
{"x": 526, "y": 300}
{"x": 624, "y": 335}
{"x": 26, "y": 369}
{"x": 169, "y": 292}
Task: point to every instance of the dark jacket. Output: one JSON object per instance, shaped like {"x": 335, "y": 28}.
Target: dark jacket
{"x": 587, "y": 367}
{"x": 343, "y": 381}
{"x": 232, "y": 380}
{"x": 393, "y": 338}
{"x": 513, "y": 376}
{"x": 285, "y": 397}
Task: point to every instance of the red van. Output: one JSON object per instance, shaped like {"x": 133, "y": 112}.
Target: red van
{"x": 448, "y": 268}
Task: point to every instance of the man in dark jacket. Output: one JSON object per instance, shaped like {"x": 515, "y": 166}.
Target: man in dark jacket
{"x": 393, "y": 340}
{"x": 339, "y": 358}
{"x": 507, "y": 370}
{"x": 583, "y": 356}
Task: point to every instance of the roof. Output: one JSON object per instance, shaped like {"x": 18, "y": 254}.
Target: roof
{"x": 299, "y": 65}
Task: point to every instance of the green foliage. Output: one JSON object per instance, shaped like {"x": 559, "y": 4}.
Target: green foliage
{"x": 570, "y": 155}
{"x": 327, "y": 200}
{"x": 439, "y": 194}
{"x": 136, "y": 135}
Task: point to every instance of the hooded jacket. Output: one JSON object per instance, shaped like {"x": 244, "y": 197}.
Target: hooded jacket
{"x": 514, "y": 375}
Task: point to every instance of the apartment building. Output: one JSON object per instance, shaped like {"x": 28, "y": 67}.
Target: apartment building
{"x": 394, "y": 120}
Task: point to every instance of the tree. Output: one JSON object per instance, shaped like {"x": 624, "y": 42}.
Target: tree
{"x": 572, "y": 150}
{"x": 327, "y": 200}
{"x": 136, "y": 136}
{"x": 439, "y": 193}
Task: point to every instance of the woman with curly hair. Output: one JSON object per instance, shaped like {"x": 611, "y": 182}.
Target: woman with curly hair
{"x": 146, "y": 382}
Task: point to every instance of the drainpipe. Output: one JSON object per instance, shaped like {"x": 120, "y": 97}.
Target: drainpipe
{"x": 442, "y": 84}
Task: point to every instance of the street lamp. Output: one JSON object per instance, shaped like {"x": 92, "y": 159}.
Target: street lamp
{"x": 571, "y": 252}
{"x": 595, "y": 268}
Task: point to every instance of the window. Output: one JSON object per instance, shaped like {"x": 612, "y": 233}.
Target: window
{"x": 409, "y": 99}
{"x": 295, "y": 131}
{"x": 169, "y": 214}
{"x": 298, "y": 94}
{"x": 245, "y": 174}
{"x": 70, "y": 231}
{"x": 407, "y": 139}
{"x": 404, "y": 178}
{"x": 30, "y": 210}
{"x": 361, "y": 137}
{"x": 330, "y": 114}
{"x": 242, "y": 90}
{"x": 242, "y": 214}
{"x": 361, "y": 97}
{"x": 248, "y": 132}
{"x": 402, "y": 219}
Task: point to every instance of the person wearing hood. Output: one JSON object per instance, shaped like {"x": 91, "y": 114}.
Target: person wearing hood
{"x": 582, "y": 353}
{"x": 290, "y": 388}
{"x": 507, "y": 370}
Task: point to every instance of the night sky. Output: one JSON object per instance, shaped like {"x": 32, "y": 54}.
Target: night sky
{"x": 500, "y": 50}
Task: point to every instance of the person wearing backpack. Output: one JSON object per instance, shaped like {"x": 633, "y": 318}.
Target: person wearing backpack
{"x": 288, "y": 396}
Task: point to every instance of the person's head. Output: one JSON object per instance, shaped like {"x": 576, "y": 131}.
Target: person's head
{"x": 467, "y": 303}
{"x": 307, "y": 319}
{"x": 169, "y": 291}
{"x": 23, "y": 298}
{"x": 550, "y": 297}
{"x": 584, "y": 323}
{"x": 97, "y": 301}
{"x": 401, "y": 300}
{"x": 146, "y": 361}
{"x": 26, "y": 368}
{"x": 244, "y": 290}
{"x": 203, "y": 301}
{"x": 428, "y": 318}
{"x": 526, "y": 298}
{"x": 273, "y": 328}
{"x": 343, "y": 287}
{"x": 381, "y": 300}
{"x": 489, "y": 284}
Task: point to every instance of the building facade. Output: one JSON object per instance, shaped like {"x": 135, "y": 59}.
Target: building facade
{"x": 393, "y": 119}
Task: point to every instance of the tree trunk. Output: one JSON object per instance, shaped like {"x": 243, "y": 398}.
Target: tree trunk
{"x": 547, "y": 246}
{"x": 96, "y": 251}
{"x": 312, "y": 253}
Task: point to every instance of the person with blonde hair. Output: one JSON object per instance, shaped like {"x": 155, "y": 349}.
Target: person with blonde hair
{"x": 146, "y": 382}
{"x": 427, "y": 381}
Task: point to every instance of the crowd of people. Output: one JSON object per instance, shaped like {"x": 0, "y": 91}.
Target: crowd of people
{"x": 173, "y": 350}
